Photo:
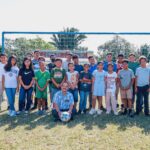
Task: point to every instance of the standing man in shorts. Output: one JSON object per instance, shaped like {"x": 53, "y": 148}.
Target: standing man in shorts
{"x": 126, "y": 80}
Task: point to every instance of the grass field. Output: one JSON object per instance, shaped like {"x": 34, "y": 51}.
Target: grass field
{"x": 85, "y": 132}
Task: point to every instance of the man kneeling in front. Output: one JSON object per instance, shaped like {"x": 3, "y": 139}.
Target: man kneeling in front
{"x": 63, "y": 102}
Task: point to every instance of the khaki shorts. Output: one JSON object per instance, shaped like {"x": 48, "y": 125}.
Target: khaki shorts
{"x": 126, "y": 94}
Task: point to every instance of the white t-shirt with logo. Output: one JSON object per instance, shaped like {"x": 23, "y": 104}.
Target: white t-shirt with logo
{"x": 11, "y": 77}
{"x": 72, "y": 76}
{"x": 1, "y": 70}
{"x": 111, "y": 82}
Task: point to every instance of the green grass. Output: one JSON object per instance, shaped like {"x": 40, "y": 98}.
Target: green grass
{"x": 85, "y": 132}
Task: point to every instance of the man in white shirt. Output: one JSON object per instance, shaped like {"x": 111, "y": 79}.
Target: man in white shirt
{"x": 3, "y": 61}
{"x": 67, "y": 61}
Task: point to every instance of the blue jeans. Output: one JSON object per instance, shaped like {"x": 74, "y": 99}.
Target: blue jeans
{"x": 74, "y": 92}
{"x": 83, "y": 100}
{"x": 142, "y": 92}
{"x": 11, "y": 92}
{"x": 25, "y": 95}
{"x": 56, "y": 116}
{"x": 53, "y": 92}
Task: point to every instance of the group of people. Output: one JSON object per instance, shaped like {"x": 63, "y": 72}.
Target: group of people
{"x": 71, "y": 83}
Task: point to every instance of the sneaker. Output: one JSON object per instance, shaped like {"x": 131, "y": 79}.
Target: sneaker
{"x": 9, "y": 112}
{"x": 33, "y": 108}
{"x": 117, "y": 106}
{"x": 99, "y": 111}
{"x": 39, "y": 112}
{"x": 124, "y": 112}
{"x": 26, "y": 112}
{"x": 79, "y": 112}
{"x": 107, "y": 112}
{"x": 102, "y": 108}
{"x": 84, "y": 111}
{"x": 130, "y": 113}
{"x": 13, "y": 113}
{"x": 116, "y": 113}
{"x": 18, "y": 112}
{"x": 44, "y": 112}
{"x": 92, "y": 111}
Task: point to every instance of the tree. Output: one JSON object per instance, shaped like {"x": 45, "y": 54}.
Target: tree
{"x": 21, "y": 46}
{"x": 145, "y": 50}
{"x": 68, "y": 41}
{"x": 117, "y": 45}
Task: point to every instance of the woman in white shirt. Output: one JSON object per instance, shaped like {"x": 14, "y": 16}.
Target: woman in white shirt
{"x": 10, "y": 83}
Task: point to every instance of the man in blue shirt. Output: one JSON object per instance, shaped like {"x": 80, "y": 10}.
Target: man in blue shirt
{"x": 109, "y": 60}
{"x": 63, "y": 101}
{"x": 78, "y": 67}
{"x": 93, "y": 65}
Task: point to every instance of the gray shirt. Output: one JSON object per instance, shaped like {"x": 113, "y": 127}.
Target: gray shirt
{"x": 125, "y": 77}
{"x": 143, "y": 76}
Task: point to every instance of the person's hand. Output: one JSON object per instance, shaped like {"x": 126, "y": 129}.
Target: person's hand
{"x": 26, "y": 87}
{"x": 70, "y": 112}
{"x": 84, "y": 79}
{"x": 17, "y": 90}
{"x": 136, "y": 90}
{"x": 58, "y": 85}
{"x": 40, "y": 89}
{"x": 148, "y": 90}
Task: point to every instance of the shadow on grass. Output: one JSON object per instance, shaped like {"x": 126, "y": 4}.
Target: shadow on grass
{"x": 33, "y": 120}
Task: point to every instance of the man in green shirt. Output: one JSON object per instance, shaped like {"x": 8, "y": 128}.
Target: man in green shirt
{"x": 133, "y": 65}
{"x": 42, "y": 78}
{"x": 58, "y": 76}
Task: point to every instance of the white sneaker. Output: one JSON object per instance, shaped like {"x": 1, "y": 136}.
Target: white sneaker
{"x": 116, "y": 113}
{"x": 99, "y": 112}
{"x": 92, "y": 111}
{"x": 13, "y": 113}
{"x": 107, "y": 112}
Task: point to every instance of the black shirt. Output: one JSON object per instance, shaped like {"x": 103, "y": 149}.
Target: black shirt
{"x": 26, "y": 76}
{"x": 83, "y": 85}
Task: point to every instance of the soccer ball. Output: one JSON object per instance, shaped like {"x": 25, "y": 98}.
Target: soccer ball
{"x": 65, "y": 116}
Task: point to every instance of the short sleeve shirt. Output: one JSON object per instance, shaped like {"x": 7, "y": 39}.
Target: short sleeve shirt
{"x": 126, "y": 77}
{"x": 42, "y": 78}
{"x": 11, "y": 77}
{"x": 72, "y": 76}
{"x": 58, "y": 74}
{"x": 143, "y": 75}
{"x": 63, "y": 101}
{"x": 111, "y": 82}
{"x": 78, "y": 68}
{"x": 85, "y": 86}
{"x": 26, "y": 75}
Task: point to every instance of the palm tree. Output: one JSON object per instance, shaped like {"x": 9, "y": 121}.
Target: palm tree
{"x": 67, "y": 41}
